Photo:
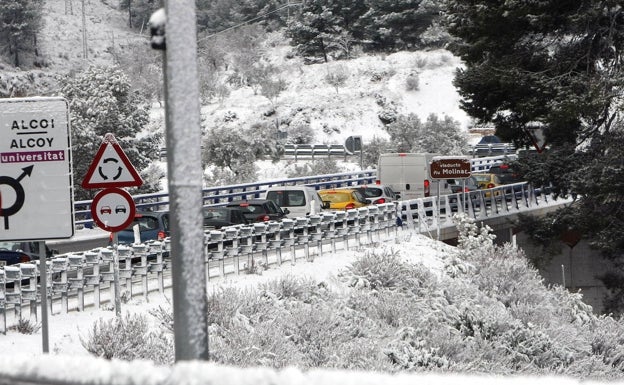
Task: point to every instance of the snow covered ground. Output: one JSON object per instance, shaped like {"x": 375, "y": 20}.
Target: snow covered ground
{"x": 21, "y": 354}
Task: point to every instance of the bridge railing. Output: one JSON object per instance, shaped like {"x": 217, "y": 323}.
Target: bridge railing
{"x": 223, "y": 194}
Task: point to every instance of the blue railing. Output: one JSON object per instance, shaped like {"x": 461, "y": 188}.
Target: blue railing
{"x": 221, "y": 195}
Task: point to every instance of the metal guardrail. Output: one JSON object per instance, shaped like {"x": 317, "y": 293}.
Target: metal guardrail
{"x": 234, "y": 250}
{"x": 493, "y": 149}
{"x": 316, "y": 150}
{"x": 239, "y": 249}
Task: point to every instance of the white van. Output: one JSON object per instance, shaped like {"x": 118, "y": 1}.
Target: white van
{"x": 408, "y": 175}
{"x": 300, "y": 200}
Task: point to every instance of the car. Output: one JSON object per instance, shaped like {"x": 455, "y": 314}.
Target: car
{"x": 218, "y": 217}
{"x": 344, "y": 199}
{"x": 260, "y": 210}
{"x": 464, "y": 185}
{"x": 487, "y": 181}
{"x": 14, "y": 252}
{"x": 106, "y": 210}
{"x": 300, "y": 200}
{"x": 506, "y": 174}
{"x": 378, "y": 193}
{"x": 152, "y": 225}
{"x": 120, "y": 209}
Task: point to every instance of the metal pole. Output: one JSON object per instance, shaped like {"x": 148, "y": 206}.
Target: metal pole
{"x": 45, "y": 340}
{"x": 116, "y": 275}
{"x": 184, "y": 170}
{"x": 438, "y": 212}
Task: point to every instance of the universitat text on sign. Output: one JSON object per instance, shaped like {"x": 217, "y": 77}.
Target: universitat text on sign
{"x": 36, "y": 189}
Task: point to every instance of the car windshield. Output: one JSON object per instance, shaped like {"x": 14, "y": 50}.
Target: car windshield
{"x": 215, "y": 213}
{"x": 145, "y": 223}
{"x": 287, "y": 198}
{"x": 371, "y": 192}
{"x": 13, "y": 246}
{"x": 482, "y": 178}
{"x": 337, "y": 197}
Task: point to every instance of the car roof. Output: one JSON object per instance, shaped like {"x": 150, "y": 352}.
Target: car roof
{"x": 250, "y": 202}
{"x": 339, "y": 189}
{"x": 295, "y": 187}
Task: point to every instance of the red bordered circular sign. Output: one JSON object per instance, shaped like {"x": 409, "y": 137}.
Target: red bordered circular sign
{"x": 113, "y": 209}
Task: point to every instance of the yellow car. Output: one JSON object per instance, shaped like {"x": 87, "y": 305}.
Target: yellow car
{"x": 487, "y": 181}
{"x": 343, "y": 199}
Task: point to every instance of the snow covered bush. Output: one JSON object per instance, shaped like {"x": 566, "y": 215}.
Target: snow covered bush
{"x": 485, "y": 311}
{"x": 378, "y": 270}
{"x": 128, "y": 338}
{"x": 26, "y": 326}
{"x": 412, "y": 82}
{"x": 409, "y": 351}
{"x": 470, "y": 236}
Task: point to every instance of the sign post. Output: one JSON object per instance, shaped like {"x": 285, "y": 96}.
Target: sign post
{"x": 449, "y": 167}
{"x": 112, "y": 209}
{"x": 36, "y": 187}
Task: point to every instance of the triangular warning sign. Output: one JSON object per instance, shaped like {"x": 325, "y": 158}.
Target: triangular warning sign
{"x": 111, "y": 167}
{"x": 535, "y": 131}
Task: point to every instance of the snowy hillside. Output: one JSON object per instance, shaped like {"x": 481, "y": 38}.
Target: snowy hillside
{"x": 373, "y": 83}
{"x": 353, "y": 108}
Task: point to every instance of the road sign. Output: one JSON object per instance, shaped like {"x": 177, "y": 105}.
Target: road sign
{"x": 450, "y": 167}
{"x": 535, "y": 131}
{"x": 353, "y": 144}
{"x": 111, "y": 167}
{"x": 113, "y": 209}
{"x": 36, "y": 188}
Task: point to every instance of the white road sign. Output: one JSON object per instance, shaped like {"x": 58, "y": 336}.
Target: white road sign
{"x": 36, "y": 190}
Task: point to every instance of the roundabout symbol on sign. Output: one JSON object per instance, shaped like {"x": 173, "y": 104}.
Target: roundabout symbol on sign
{"x": 14, "y": 183}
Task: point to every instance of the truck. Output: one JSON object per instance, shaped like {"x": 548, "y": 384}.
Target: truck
{"x": 408, "y": 175}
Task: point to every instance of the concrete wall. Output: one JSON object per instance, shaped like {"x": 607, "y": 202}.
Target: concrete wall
{"x": 577, "y": 267}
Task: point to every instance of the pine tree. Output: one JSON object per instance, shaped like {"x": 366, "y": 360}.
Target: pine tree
{"x": 20, "y": 21}
{"x": 392, "y": 25}
{"x": 560, "y": 64}
{"x": 324, "y": 26}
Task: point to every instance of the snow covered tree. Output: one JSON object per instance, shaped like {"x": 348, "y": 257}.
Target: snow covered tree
{"x": 323, "y": 25}
{"x": 20, "y": 21}
{"x": 561, "y": 65}
{"x": 237, "y": 149}
{"x": 392, "y": 25}
{"x": 439, "y": 136}
{"x": 218, "y": 15}
{"x": 100, "y": 102}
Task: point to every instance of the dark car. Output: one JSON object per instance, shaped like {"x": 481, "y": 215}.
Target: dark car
{"x": 506, "y": 174}
{"x": 153, "y": 225}
{"x": 14, "y": 252}
{"x": 260, "y": 210}
{"x": 218, "y": 217}
{"x": 463, "y": 185}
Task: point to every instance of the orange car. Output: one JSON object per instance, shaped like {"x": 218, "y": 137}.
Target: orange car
{"x": 343, "y": 199}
